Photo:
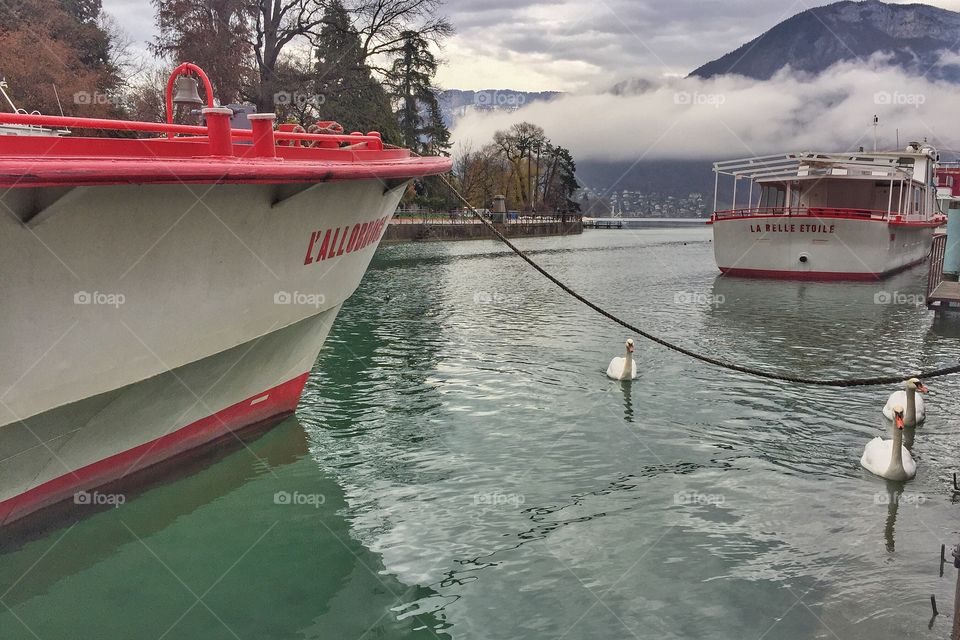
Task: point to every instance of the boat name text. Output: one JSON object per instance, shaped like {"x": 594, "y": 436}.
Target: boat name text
{"x": 792, "y": 228}
{"x": 339, "y": 240}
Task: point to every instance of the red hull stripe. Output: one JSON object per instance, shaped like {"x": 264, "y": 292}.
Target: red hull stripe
{"x": 812, "y": 275}
{"x": 931, "y": 224}
{"x": 799, "y": 275}
{"x": 273, "y": 402}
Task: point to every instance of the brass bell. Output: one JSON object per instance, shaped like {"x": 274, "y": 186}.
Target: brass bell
{"x": 185, "y": 91}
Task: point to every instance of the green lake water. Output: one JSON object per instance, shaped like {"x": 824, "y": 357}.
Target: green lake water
{"x": 461, "y": 467}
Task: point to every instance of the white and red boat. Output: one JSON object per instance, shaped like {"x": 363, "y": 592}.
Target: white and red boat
{"x": 827, "y": 216}
{"x": 162, "y": 292}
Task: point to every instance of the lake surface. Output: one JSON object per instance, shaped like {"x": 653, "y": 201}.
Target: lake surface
{"x": 460, "y": 467}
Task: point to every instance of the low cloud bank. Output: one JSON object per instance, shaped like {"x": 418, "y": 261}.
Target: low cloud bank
{"x": 732, "y": 116}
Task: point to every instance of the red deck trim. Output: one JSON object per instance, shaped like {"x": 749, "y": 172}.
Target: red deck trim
{"x": 281, "y": 399}
{"x": 73, "y": 171}
{"x": 200, "y": 155}
{"x": 823, "y": 213}
{"x": 893, "y": 223}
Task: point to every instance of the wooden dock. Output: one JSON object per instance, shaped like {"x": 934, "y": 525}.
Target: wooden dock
{"x": 946, "y": 293}
{"x": 941, "y": 294}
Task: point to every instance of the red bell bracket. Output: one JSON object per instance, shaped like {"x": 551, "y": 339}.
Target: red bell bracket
{"x": 183, "y": 70}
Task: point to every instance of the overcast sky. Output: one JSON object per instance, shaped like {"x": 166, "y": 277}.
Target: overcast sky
{"x": 572, "y": 44}
{"x": 584, "y": 46}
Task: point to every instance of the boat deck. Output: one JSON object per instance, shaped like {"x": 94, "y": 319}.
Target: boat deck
{"x": 941, "y": 293}
{"x": 947, "y": 293}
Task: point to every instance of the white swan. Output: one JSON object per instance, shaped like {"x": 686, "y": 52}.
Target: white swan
{"x": 915, "y": 413}
{"x": 623, "y": 368}
{"x": 889, "y": 458}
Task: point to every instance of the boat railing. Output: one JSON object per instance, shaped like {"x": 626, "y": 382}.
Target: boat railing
{"x": 370, "y": 140}
{"x": 935, "y": 274}
{"x": 807, "y": 212}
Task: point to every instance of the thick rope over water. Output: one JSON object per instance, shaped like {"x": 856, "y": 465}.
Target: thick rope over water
{"x": 770, "y": 375}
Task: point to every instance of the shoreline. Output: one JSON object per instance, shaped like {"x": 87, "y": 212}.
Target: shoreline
{"x": 398, "y": 232}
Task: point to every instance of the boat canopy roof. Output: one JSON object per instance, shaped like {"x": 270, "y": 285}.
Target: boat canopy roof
{"x": 792, "y": 166}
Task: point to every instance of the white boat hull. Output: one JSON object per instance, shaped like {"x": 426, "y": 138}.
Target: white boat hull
{"x": 807, "y": 247}
{"x": 142, "y": 321}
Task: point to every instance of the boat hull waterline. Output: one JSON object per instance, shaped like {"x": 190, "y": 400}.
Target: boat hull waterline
{"x": 149, "y": 319}
{"x": 814, "y": 248}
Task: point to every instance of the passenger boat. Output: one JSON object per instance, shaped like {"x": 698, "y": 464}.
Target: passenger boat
{"x": 827, "y": 216}
{"x": 163, "y": 292}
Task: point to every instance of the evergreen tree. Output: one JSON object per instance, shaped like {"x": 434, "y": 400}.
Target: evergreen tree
{"x": 437, "y": 132}
{"x": 558, "y": 193}
{"x": 350, "y": 94}
{"x": 411, "y": 78}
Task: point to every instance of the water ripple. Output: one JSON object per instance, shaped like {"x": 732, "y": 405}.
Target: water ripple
{"x": 484, "y": 454}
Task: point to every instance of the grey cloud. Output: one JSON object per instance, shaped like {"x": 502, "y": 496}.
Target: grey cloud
{"x": 135, "y": 17}
{"x": 731, "y": 116}
{"x": 623, "y": 36}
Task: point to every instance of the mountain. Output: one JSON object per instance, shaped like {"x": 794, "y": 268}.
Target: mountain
{"x": 915, "y": 36}
{"x": 666, "y": 177}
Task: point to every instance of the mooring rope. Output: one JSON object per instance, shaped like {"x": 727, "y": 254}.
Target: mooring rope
{"x": 760, "y": 373}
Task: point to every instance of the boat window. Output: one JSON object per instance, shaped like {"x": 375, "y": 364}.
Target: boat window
{"x": 795, "y": 198}
{"x": 772, "y": 196}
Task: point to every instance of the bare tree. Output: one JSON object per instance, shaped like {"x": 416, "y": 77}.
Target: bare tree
{"x": 145, "y": 96}
{"x": 481, "y": 174}
{"x": 210, "y": 33}
{"x": 277, "y": 23}
{"x": 380, "y": 24}
{"x": 248, "y": 37}
{"x": 517, "y": 145}
{"x": 383, "y": 23}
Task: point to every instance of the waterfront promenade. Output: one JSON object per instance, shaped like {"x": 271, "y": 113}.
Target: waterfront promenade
{"x": 426, "y": 227}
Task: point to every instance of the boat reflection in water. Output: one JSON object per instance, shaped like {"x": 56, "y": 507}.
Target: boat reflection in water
{"x": 253, "y": 521}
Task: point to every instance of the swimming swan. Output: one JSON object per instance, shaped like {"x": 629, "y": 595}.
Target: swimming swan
{"x": 915, "y": 413}
{"x": 623, "y": 368}
{"x": 889, "y": 458}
